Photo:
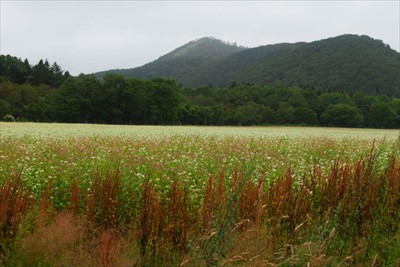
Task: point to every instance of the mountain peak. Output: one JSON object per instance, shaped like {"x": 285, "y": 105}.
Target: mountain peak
{"x": 345, "y": 63}
{"x": 205, "y": 47}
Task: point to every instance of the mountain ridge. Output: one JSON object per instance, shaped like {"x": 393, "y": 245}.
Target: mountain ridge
{"x": 206, "y": 47}
{"x": 343, "y": 63}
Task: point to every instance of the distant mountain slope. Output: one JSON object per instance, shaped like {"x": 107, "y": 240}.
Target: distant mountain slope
{"x": 183, "y": 61}
{"x": 207, "y": 47}
{"x": 345, "y": 63}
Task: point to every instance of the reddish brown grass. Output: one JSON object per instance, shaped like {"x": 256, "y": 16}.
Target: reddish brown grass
{"x": 278, "y": 218}
{"x": 14, "y": 204}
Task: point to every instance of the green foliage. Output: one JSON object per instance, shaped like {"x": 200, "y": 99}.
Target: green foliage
{"x": 5, "y": 108}
{"x": 8, "y": 118}
{"x": 285, "y": 113}
{"x": 164, "y": 101}
{"x": 254, "y": 105}
{"x": 120, "y": 100}
{"x": 39, "y": 111}
{"x": 117, "y": 99}
{"x": 19, "y": 72}
{"x": 76, "y": 99}
{"x": 13, "y": 68}
{"x": 343, "y": 115}
{"x": 305, "y": 115}
{"x": 382, "y": 115}
{"x": 347, "y": 63}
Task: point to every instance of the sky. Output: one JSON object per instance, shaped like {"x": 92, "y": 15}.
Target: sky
{"x": 91, "y": 36}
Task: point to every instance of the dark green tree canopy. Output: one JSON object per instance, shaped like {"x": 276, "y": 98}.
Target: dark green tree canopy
{"x": 18, "y": 71}
{"x": 44, "y": 92}
{"x": 5, "y": 108}
{"x": 343, "y": 115}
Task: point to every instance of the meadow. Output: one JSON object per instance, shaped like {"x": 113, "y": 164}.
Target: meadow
{"x": 107, "y": 195}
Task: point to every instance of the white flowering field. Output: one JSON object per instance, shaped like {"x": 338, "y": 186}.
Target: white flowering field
{"x": 66, "y": 155}
{"x": 60, "y": 153}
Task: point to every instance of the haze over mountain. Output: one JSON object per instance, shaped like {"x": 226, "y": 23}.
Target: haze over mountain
{"x": 343, "y": 63}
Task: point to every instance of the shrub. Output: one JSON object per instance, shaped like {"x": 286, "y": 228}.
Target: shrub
{"x": 8, "y": 118}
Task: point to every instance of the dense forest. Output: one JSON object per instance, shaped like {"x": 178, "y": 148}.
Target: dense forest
{"x": 348, "y": 63}
{"x": 20, "y": 72}
{"x": 46, "y": 93}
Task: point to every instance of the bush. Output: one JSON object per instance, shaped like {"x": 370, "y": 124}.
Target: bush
{"x": 8, "y": 118}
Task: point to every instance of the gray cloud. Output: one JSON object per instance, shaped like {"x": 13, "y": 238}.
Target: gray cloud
{"x": 99, "y": 35}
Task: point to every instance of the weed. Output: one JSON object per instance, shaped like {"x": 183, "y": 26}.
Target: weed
{"x": 14, "y": 204}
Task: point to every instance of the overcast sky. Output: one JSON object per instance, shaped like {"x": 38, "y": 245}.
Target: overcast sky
{"x": 91, "y": 36}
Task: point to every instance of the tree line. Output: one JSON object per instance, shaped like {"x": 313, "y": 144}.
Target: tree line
{"x": 20, "y": 72}
{"x": 253, "y": 104}
{"x": 117, "y": 99}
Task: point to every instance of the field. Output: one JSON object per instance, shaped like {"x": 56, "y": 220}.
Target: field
{"x": 101, "y": 195}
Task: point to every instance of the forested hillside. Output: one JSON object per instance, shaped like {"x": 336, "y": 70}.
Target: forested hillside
{"x": 348, "y": 63}
{"x": 117, "y": 99}
{"x": 183, "y": 62}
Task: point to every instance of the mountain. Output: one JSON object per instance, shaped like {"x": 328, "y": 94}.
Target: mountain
{"x": 343, "y": 63}
{"x": 183, "y": 61}
{"x": 206, "y": 48}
